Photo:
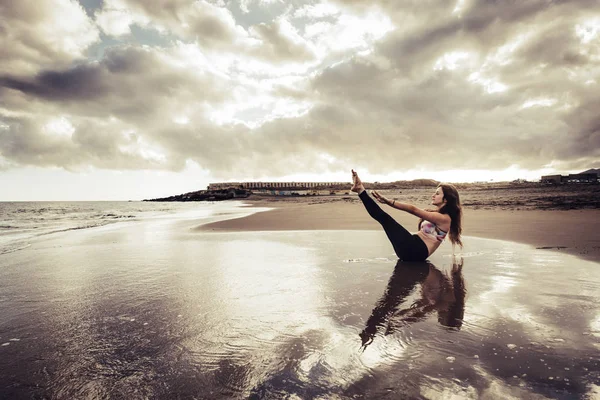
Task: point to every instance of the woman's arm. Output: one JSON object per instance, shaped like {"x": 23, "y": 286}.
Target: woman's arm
{"x": 441, "y": 220}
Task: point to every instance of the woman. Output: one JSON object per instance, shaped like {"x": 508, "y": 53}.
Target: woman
{"x": 433, "y": 226}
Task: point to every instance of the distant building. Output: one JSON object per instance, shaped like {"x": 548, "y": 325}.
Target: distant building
{"x": 276, "y": 185}
{"x": 582, "y": 178}
{"x": 551, "y": 179}
{"x": 571, "y": 178}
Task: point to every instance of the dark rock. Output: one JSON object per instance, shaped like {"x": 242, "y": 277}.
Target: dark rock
{"x": 208, "y": 195}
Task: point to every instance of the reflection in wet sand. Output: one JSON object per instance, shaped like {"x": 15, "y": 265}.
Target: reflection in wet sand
{"x": 439, "y": 293}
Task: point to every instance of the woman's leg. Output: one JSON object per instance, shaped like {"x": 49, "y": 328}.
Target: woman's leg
{"x": 402, "y": 240}
{"x": 408, "y": 247}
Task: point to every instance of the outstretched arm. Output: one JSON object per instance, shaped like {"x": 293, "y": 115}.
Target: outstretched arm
{"x": 432, "y": 216}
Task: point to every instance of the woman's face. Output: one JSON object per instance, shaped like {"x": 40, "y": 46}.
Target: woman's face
{"x": 438, "y": 197}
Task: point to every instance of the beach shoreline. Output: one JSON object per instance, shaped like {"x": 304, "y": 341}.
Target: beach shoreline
{"x": 569, "y": 231}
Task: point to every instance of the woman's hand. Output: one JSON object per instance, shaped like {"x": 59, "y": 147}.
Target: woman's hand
{"x": 380, "y": 198}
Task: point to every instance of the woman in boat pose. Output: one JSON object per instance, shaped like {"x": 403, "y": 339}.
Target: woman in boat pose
{"x": 433, "y": 226}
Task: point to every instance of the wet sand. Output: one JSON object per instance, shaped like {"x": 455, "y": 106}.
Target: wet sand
{"x": 570, "y": 231}
{"x": 161, "y": 310}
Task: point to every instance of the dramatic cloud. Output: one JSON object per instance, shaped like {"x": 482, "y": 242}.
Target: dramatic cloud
{"x": 43, "y": 33}
{"x": 260, "y": 89}
{"x": 209, "y": 23}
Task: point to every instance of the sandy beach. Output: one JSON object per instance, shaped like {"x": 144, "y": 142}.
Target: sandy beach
{"x": 570, "y": 231}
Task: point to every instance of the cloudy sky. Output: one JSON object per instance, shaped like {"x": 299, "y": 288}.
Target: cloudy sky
{"x": 133, "y": 99}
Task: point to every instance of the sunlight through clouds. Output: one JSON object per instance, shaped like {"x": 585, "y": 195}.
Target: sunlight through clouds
{"x": 490, "y": 85}
{"x": 452, "y": 60}
{"x": 588, "y": 30}
{"x": 489, "y": 80}
{"x": 539, "y": 103}
{"x": 181, "y": 120}
{"x": 116, "y": 18}
{"x": 461, "y": 5}
{"x": 60, "y": 126}
{"x": 589, "y": 34}
{"x": 319, "y": 10}
{"x": 349, "y": 32}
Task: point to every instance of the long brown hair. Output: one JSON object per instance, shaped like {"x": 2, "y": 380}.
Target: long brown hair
{"x": 454, "y": 210}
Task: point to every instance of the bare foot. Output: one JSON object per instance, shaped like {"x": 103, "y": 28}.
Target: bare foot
{"x": 357, "y": 185}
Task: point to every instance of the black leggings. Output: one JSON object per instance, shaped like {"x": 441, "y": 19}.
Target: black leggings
{"x": 408, "y": 247}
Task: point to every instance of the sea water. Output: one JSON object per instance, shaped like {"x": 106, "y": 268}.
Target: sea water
{"x": 158, "y": 309}
{"x": 22, "y": 223}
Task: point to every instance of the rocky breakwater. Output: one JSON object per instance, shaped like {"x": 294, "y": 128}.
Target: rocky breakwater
{"x": 208, "y": 195}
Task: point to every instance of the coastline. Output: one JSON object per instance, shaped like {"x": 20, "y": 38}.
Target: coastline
{"x": 570, "y": 231}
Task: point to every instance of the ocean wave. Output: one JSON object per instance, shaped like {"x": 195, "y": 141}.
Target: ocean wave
{"x": 12, "y": 249}
{"x": 26, "y": 222}
{"x": 13, "y": 245}
{"x": 75, "y": 228}
{"x": 116, "y": 216}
